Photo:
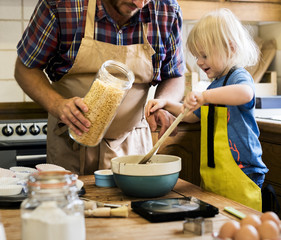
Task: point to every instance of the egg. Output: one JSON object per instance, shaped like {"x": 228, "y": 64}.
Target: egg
{"x": 268, "y": 230}
{"x": 270, "y": 216}
{"x": 247, "y": 232}
{"x": 228, "y": 230}
{"x": 251, "y": 219}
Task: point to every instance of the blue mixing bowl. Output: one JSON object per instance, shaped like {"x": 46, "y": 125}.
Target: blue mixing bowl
{"x": 154, "y": 179}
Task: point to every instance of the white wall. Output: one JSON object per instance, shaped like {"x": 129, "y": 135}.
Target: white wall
{"x": 14, "y": 16}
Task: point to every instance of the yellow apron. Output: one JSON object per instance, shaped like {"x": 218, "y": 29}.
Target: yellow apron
{"x": 219, "y": 172}
{"x": 129, "y": 132}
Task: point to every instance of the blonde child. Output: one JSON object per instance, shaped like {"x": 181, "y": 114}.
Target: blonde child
{"x": 231, "y": 163}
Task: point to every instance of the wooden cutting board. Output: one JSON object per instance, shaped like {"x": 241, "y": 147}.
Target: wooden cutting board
{"x": 268, "y": 51}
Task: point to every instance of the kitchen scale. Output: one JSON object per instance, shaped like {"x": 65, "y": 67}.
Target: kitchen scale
{"x": 173, "y": 209}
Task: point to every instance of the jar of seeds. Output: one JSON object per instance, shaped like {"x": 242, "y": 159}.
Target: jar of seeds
{"x": 107, "y": 91}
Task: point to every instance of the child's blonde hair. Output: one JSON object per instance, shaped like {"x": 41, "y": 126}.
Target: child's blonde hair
{"x": 220, "y": 32}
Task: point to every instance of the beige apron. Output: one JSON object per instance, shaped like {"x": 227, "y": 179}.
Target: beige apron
{"x": 129, "y": 132}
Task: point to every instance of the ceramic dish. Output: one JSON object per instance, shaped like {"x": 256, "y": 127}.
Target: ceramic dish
{"x": 154, "y": 179}
{"x": 6, "y": 173}
{"x": 23, "y": 172}
{"x": 8, "y": 190}
{"x": 49, "y": 167}
{"x": 104, "y": 178}
{"x": 14, "y": 201}
{"x": 8, "y": 181}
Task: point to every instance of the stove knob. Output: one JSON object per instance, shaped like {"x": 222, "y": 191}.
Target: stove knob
{"x": 44, "y": 129}
{"x": 7, "y": 130}
{"x": 21, "y": 130}
{"x": 34, "y": 129}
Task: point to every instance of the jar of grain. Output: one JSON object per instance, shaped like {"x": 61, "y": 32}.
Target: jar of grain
{"x": 53, "y": 210}
{"x": 109, "y": 88}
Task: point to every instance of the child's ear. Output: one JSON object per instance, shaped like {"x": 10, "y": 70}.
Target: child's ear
{"x": 232, "y": 47}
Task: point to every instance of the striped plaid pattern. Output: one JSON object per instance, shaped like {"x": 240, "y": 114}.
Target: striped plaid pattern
{"x": 56, "y": 28}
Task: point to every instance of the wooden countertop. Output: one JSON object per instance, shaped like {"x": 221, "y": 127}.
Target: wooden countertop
{"x": 269, "y": 119}
{"x": 134, "y": 227}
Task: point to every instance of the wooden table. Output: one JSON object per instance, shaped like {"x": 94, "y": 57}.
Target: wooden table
{"x": 134, "y": 227}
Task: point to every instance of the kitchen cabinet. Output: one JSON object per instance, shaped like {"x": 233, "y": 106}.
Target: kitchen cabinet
{"x": 22, "y": 110}
{"x": 186, "y": 144}
{"x": 270, "y": 138}
{"x": 252, "y": 11}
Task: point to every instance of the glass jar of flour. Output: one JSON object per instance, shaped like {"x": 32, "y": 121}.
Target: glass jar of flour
{"x": 107, "y": 91}
{"x": 53, "y": 210}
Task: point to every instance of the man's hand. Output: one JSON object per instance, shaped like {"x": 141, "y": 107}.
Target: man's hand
{"x": 70, "y": 111}
{"x": 162, "y": 118}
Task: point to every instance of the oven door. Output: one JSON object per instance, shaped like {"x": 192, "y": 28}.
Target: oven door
{"x": 27, "y": 154}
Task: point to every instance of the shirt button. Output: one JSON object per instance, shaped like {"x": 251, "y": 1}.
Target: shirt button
{"x": 120, "y": 31}
{"x": 144, "y": 47}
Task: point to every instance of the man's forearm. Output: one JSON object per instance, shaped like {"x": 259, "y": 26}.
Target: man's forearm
{"x": 36, "y": 85}
{"x": 171, "y": 89}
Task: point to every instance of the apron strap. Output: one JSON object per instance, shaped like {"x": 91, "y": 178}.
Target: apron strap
{"x": 82, "y": 159}
{"x": 211, "y": 122}
{"x": 210, "y": 136}
{"x": 90, "y": 19}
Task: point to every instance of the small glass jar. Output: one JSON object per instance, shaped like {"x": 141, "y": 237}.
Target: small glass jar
{"x": 2, "y": 231}
{"x": 107, "y": 91}
{"x": 53, "y": 210}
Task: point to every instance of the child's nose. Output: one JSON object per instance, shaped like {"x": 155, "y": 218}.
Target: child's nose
{"x": 200, "y": 61}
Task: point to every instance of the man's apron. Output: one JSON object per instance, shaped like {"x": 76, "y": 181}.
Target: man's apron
{"x": 129, "y": 132}
{"x": 219, "y": 172}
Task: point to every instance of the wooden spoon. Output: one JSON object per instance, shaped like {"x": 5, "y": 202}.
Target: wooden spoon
{"x": 163, "y": 138}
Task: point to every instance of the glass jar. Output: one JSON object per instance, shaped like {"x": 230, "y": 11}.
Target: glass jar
{"x": 107, "y": 91}
{"x": 53, "y": 210}
{"x": 2, "y": 231}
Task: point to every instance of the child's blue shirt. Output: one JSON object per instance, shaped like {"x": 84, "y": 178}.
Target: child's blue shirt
{"x": 243, "y": 131}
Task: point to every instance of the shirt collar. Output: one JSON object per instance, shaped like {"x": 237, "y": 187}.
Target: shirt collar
{"x": 141, "y": 16}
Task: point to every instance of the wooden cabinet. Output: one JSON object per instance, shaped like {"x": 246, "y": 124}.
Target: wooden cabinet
{"x": 186, "y": 144}
{"x": 270, "y": 139}
{"x": 253, "y": 10}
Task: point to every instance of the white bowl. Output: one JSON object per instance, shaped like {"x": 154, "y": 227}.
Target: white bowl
{"x": 49, "y": 167}
{"x": 8, "y": 190}
{"x": 6, "y": 173}
{"x": 9, "y": 181}
{"x": 23, "y": 169}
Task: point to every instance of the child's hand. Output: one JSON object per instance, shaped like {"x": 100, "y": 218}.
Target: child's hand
{"x": 153, "y": 105}
{"x": 194, "y": 100}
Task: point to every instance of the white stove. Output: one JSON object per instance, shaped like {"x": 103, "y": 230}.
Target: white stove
{"x": 23, "y": 130}
{"x": 23, "y": 142}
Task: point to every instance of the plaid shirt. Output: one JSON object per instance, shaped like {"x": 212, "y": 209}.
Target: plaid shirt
{"x": 56, "y": 28}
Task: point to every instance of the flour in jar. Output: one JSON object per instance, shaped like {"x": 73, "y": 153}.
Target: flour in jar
{"x": 49, "y": 222}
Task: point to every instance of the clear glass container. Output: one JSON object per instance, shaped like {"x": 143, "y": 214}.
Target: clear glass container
{"x": 2, "y": 231}
{"x": 107, "y": 91}
{"x": 53, "y": 210}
